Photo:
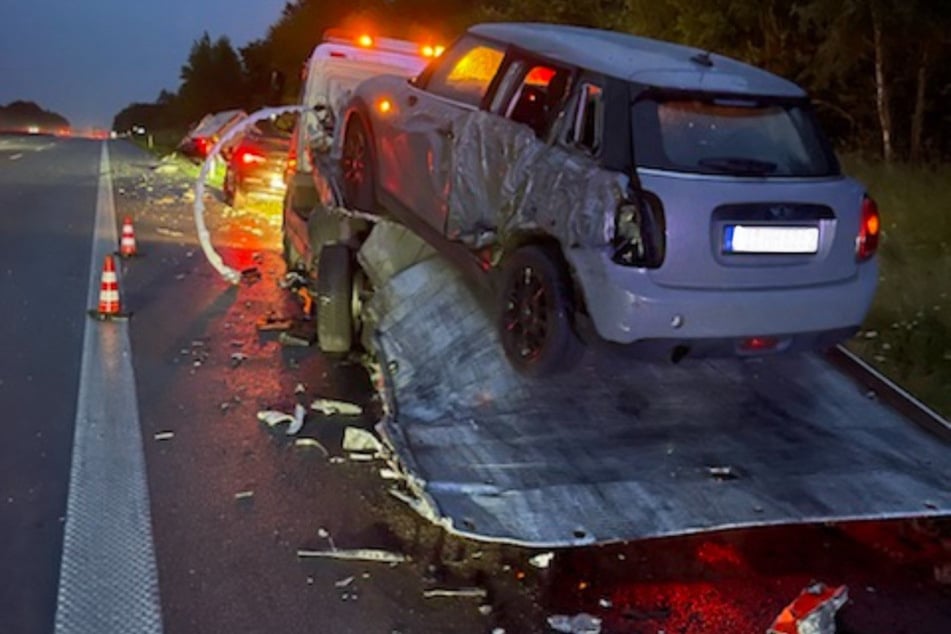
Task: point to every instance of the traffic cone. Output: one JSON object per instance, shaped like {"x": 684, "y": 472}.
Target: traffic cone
{"x": 127, "y": 243}
{"x": 109, "y": 305}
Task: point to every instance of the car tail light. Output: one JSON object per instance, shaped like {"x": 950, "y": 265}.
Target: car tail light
{"x": 290, "y": 167}
{"x": 640, "y": 232}
{"x": 248, "y": 156}
{"x": 866, "y": 243}
{"x": 201, "y": 144}
{"x": 759, "y": 344}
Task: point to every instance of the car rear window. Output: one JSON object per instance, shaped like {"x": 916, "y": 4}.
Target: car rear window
{"x": 729, "y": 136}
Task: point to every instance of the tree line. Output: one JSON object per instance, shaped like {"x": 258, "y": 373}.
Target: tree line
{"x": 879, "y": 71}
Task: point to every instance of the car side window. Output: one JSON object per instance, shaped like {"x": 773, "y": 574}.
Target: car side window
{"x": 538, "y": 97}
{"x": 587, "y": 124}
{"x": 466, "y": 71}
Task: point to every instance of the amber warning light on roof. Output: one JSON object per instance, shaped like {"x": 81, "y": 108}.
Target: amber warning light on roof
{"x": 365, "y": 41}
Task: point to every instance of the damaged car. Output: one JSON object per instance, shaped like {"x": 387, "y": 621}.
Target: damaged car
{"x": 608, "y": 185}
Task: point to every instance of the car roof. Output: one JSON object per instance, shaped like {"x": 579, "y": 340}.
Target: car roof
{"x": 638, "y": 59}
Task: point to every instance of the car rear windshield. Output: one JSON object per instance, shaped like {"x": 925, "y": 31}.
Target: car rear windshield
{"x": 730, "y": 136}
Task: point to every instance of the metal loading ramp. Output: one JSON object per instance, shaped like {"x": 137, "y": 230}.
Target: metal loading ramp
{"x": 620, "y": 449}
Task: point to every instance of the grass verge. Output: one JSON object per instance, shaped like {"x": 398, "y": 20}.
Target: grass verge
{"x": 907, "y": 334}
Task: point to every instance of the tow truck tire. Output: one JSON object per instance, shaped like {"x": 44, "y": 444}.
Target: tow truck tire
{"x": 536, "y": 313}
{"x": 357, "y": 166}
{"x": 335, "y": 299}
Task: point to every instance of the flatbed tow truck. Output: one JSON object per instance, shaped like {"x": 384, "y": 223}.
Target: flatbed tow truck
{"x": 619, "y": 448}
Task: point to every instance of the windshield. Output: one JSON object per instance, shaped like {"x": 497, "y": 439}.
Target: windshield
{"x": 720, "y": 136}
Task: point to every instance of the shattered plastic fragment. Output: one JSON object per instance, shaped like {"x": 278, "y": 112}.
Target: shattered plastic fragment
{"x": 311, "y": 443}
{"x": 270, "y": 323}
{"x": 164, "y": 435}
{"x": 237, "y": 358}
{"x": 243, "y": 495}
{"x": 273, "y": 417}
{"x": 813, "y": 611}
{"x": 358, "y": 554}
{"x": 330, "y": 407}
{"x": 466, "y": 593}
{"x": 294, "y": 339}
{"x": 582, "y": 623}
{"x": 542, "y": 560}
{"x": 360, "y": 440}
{"x": 298, "y": 422}
{"x": 299, "y": 388}
{"x": 169, "y": 233}
{"x": 343, "y": 583}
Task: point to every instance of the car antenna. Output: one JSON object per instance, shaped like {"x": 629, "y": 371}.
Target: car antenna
{"x": 703, "y": 59}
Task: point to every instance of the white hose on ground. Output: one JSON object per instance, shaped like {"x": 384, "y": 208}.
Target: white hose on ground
{"x": 214, "y": 258}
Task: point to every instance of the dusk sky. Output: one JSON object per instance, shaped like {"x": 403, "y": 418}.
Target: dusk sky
{"x": 87, "y": 59}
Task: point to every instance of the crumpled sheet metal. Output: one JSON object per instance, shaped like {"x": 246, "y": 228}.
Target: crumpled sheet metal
{"x": 621, "y": 449}
{"x": 504, "y": 179}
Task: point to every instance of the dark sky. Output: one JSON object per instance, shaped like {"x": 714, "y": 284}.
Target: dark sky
{"x": 87, "y": 59}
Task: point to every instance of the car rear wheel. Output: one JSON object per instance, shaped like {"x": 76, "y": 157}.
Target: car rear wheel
{"x": 335, "y": 323}
{"x": 536, "y": 314}
{"x": 356, "y": 164}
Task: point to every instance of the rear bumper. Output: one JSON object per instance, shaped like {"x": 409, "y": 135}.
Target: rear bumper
{"x": 625, "y": 306}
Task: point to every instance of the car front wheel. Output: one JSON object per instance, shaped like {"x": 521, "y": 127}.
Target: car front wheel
{"x": 536, "y": 313}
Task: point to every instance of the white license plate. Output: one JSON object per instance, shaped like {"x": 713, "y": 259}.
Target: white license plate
{"x": 743, "y": 239}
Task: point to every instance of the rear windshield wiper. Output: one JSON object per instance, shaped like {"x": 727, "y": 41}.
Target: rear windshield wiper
{"x": 738, "y": 165}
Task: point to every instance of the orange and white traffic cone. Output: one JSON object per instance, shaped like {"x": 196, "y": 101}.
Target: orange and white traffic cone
{"x": 109, "y": 305}
{"x": 127, "y": 243}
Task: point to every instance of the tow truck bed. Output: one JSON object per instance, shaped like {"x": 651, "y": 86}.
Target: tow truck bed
{"x": 621, "y": 449}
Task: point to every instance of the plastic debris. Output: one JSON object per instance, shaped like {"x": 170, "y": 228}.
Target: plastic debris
{"x": 358, "y": 554}
{"x": 724, "y": 472}
{"x": 360, "y": 440}
{"x": 542, "y": 560}
{"x": 292, "y": 279}
{"x": 237, "y": 358}
{"x": 582, "y": 623}
{"x": 164, "y": 435}
{"x": 270, "y": 323}
{"x": 243, "y": 495}
{"x": 272, "y": 418}
{"x": 299, "y": 388}
{"x": 485, "y": 609}
{"x": 295, "y": 339}
{"x": 813, "y": 611}
{"x": 169, "y": 233}
{"x": 311, "y": 443}
{"x": 464, "y": 593}
{"x": 390, "y": 474}
{"x": 343, "y": 583}
{"x": 298, "y": 422}
{"x": 330, "y": 407}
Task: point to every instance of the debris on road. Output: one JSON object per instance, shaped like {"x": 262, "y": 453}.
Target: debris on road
{"x": 164, "y": 435}
{"x": 330, "y": 407}
{"x": 299, "y": 388}
{"x": 390, "y": 474}
{"x": 243, "y": 495}
{"x": 273, "y": 323}
{"x": 343, "y": 583}
{"x": 311, "y": 443}
{"x": 582, "y": 623}
{"x": 237, "y": 358}
{"x": 721, "y": 473}
{"x": 251, "y": 275}
{"x": 292, "y": 279}
{"x": 169, "y": 233}
{"x": 272, "y": 418}
{"x": 361, "y": 441}
{"x": 358, "y": 554}
{"x": 542, "y": 560}
{"x": 296, "y": 339}
{"x": 463, "y": 593}
{"x": 813, "y": 611}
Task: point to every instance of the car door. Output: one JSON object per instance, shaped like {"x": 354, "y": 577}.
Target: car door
{"x": 415, "y": 153}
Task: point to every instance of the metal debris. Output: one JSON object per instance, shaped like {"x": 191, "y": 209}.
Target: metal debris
{"x": 311, "y": 443}
{"x": 465, "y": 593}
{"x": 360, "y": 440}
{"x": 813, "y": 611}
{"x": 542, "y": 560}
{"x": 358, "y": 554}
{"x": 583, "y": 623}
{"x": 164, "y": 435}
{"x": 330, "y": 407}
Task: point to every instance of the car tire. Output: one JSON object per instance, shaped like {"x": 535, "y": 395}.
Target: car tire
{"x": 356, "y": 165}
{"x": 335, "y": 299}
{"x": 536, "y": 313}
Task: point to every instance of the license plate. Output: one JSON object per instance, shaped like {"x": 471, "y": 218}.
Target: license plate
{"x": 744, "y": 239}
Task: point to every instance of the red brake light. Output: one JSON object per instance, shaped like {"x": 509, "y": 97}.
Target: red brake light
{"x": 247, "y": 156}
{"x": 866, "y": 243}
{"x": 759, "y": 344}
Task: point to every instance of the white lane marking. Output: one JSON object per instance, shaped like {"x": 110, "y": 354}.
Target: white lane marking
{"x": 108, "y": 579}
